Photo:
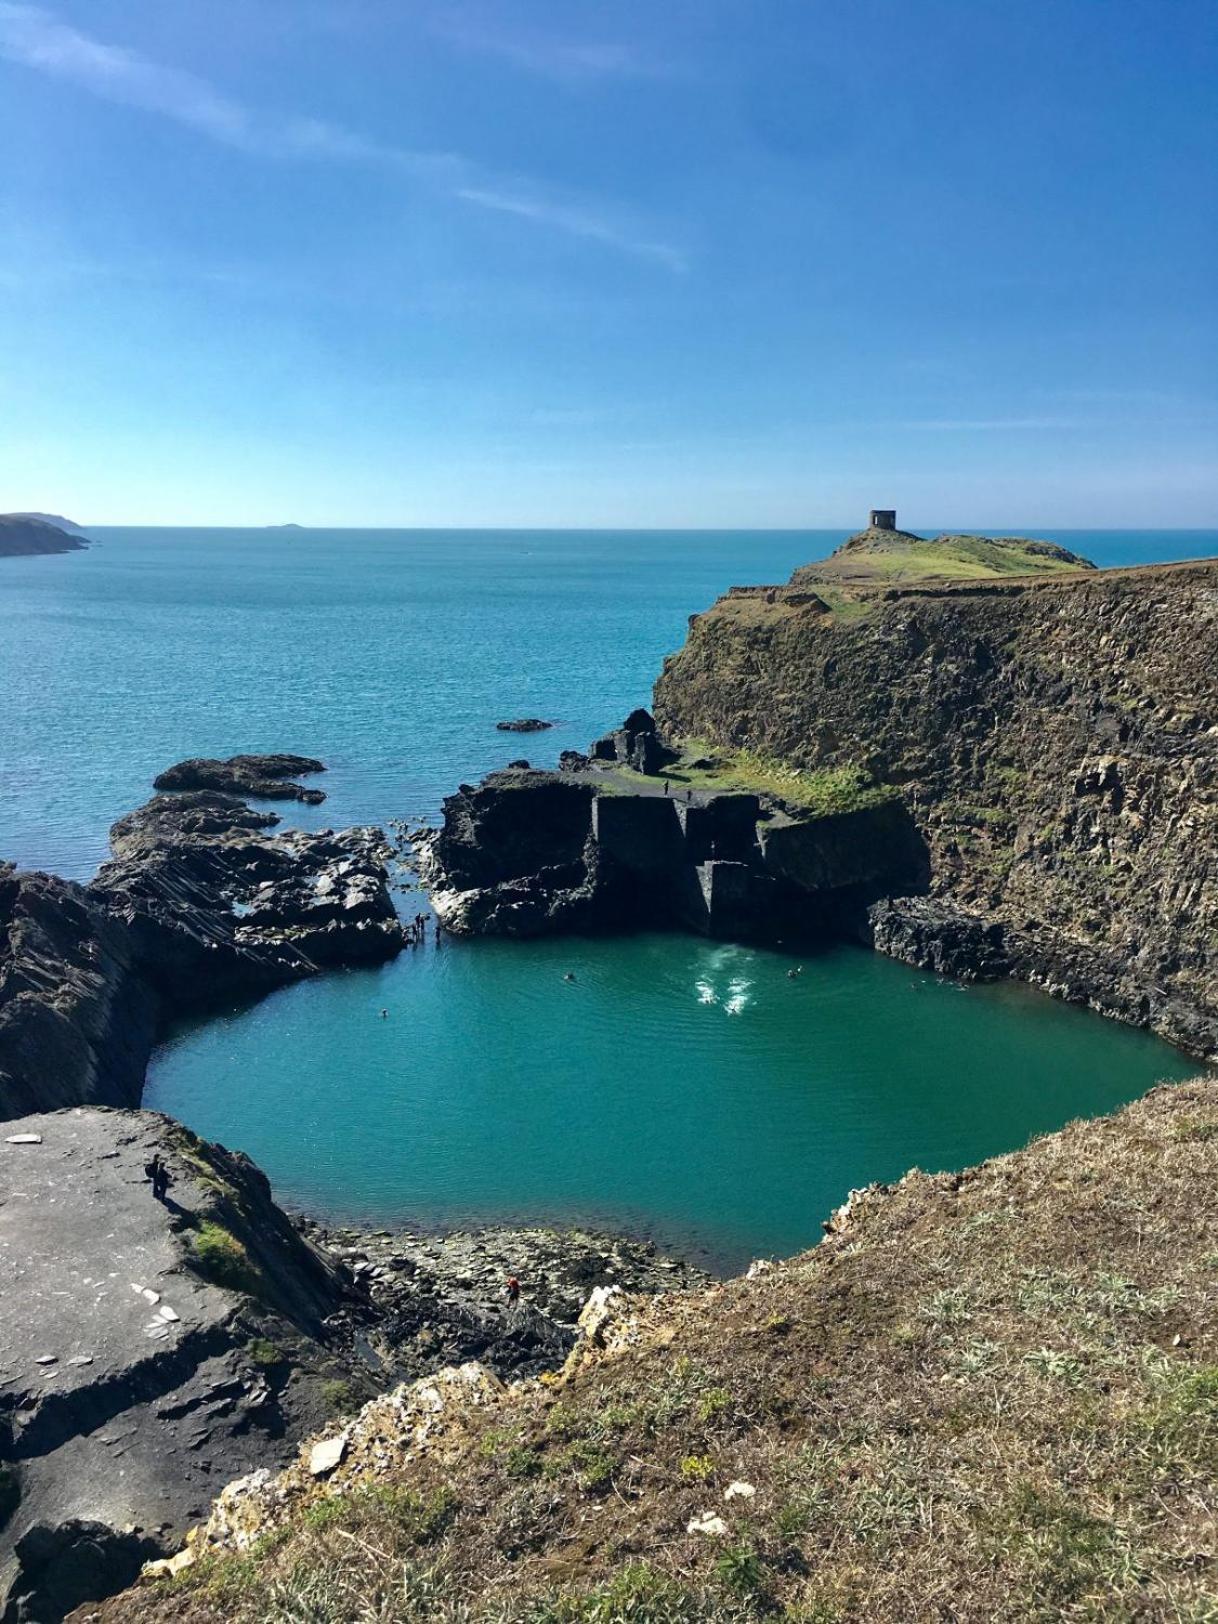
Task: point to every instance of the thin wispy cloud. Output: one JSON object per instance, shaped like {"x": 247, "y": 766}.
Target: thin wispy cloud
{"x": 997, "y": 424}
{"x": 576, "y": 221}
{"x": 549, "y": 56}
{"x": 37, "y": 39}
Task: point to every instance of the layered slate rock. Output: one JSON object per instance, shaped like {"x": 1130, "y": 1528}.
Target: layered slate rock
{"x": 1054, "y": 736}
{"x": 147, "y": 1349}
{"x": 199, "y": 906}
{"x": 268, "y": 778}
{"x": 150, "y": 1351}
{"x": 591, "y": 849}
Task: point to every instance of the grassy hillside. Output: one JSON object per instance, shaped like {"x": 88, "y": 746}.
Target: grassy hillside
{"x": 985, "y": 1396}
{"x": 897, "y": 557}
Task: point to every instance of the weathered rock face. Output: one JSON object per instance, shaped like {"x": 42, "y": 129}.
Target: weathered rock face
{"x": 267, "y": 777}
{"x": 1056, "y": 742}
{"x": 199, "y": 906}
{"x": 532, "y": 853}
{"x": 150, "y": 1351}
{"x": 77, "y": 1016}
{"x": 146, "y": 1348}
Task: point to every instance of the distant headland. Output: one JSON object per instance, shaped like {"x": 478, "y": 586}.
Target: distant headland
{"x": 28, "y": 534}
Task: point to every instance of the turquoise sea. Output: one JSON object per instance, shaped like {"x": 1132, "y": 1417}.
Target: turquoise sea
{"x": 679, "y": 1088}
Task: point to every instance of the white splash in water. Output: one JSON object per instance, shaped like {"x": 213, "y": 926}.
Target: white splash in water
{"x": 706, "y": 993}
{"x": 739, "y": 996}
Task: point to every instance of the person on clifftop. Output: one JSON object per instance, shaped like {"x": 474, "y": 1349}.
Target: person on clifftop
{"x": 159, "y": 1175}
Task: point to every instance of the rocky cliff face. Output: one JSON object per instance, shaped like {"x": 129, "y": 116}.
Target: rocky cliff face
{"x": 199, "y": 906}
{"x": 145, "y": 1346}
{"x": 1055, "y": 740}
{"x": 605, "y": 848}
{"x": 150, "y": 1350}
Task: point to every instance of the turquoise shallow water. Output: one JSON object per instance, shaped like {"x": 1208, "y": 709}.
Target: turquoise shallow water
{"x": 681, "y": 1088}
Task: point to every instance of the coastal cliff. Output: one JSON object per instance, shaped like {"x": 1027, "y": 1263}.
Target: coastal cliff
{"x": 1054, "y": 737}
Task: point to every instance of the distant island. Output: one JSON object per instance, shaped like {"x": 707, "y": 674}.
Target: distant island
{"x": 288, "y": 526}
{"x": 26, "y": 534}
{"x": 57, "y": 519}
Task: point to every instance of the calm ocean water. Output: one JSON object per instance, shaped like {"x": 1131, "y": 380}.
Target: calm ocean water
{"x": 682, "y": 1088}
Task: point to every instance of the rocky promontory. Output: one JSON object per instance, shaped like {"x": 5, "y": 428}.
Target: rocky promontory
{"x": 198, "y": 906}
{"x": 600, "y": 846}
{"x": 267, "y": 778}
{"x": 28, "y": 534}
{"x": 1052, "y": 731}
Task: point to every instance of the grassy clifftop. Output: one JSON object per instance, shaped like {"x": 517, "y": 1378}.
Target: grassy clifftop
{"x": 896, "y": 557}
{"x": 985, "y": 1396}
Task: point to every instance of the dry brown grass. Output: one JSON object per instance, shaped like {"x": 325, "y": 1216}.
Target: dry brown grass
{"x": 984, "y": 1397}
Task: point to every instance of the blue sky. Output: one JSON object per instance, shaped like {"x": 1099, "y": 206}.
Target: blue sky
{"x": 680, "y": 262}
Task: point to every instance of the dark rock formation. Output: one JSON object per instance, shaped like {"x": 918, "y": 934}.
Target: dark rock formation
{"x": 198, "y": 907}
{"x": 635, "y": 744}
{"x": 526, "y": 854}
{"x": 161, "y": 1349}
{"x": 23, "y": 534}
{"x": 77, "y": 1015}
{"x": 267, "y": 777}
{"x": 527, "y": 724}
{"x": 1055, "y": 739}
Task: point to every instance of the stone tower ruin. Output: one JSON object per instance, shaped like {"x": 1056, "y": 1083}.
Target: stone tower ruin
{"x": 883, "y": 519}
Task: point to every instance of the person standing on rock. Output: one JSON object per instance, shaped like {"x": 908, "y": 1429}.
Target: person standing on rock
{"x": 512, "y": 1293}
{"x": 159, "y": 1174}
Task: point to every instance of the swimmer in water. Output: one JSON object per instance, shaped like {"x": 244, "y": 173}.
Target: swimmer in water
{"x": 569, "y": 976}
{"x": 384, "y": 1014}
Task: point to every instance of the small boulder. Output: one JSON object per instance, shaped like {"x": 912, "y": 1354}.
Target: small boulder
{"x": 327, "y": 1454}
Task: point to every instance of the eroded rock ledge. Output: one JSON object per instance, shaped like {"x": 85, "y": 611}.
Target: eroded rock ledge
{"x": 596, "y": 847}
{"x": 198, "y": 906}
{"x": 150, "y": 1351}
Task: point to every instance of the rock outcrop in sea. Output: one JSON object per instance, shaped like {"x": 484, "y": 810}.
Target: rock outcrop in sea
{"x": 268, "y": 777}
{"x": 198, "y": 906}
{"x": 589, "y": 849}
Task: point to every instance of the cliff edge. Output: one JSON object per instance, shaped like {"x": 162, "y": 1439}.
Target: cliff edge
{"x": 1052, "y": 732}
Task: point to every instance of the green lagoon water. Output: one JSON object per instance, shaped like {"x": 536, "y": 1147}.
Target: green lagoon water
{"x": 679, "y": 1088}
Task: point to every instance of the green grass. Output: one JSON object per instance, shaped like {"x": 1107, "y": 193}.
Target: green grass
{"x": 220, "y": 1257}
{"x": 821, "y": 791}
